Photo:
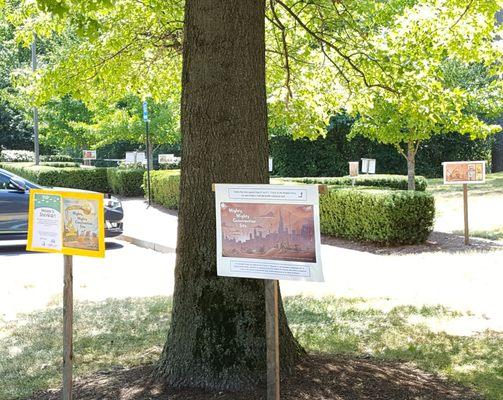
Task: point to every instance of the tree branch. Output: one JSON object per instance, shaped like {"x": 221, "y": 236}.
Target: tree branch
{"x": 335, "y": 48}
{"x": 282, "y": 28}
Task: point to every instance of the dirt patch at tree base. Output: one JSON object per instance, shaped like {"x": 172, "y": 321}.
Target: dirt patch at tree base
{"x": 318, "y": 377}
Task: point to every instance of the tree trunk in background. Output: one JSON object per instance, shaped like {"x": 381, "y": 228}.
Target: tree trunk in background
{"x": 411, "y": 166}
{"x": 217, "y": 333}
{"x": 497, "y": 152}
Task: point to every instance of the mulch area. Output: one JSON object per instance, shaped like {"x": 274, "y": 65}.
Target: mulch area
{"x": 437, "y": 242}
{"x": 318, "y": 377}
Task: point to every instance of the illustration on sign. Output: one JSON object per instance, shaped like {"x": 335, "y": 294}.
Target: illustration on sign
{"x": 464, "y": 172}
{"x": 80, "y": 224}
{"x": 89, "y": 155}
{"x": 268, "y": 232}
{"x": 66, "y": 222}
{"x": 353, "y": 168}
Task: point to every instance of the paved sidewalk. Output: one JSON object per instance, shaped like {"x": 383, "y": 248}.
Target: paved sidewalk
{"x": 152, "y": 227}
{"x": 465, "y": 279}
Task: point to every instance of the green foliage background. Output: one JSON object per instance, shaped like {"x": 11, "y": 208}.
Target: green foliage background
{"x": 329, "y": 155}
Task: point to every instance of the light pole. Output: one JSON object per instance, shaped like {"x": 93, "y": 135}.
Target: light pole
{"x": 145, "y": 119}
{"x": 35, "y": 109}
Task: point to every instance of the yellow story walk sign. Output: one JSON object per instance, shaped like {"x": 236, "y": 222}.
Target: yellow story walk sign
{"x": 66, "y": 222}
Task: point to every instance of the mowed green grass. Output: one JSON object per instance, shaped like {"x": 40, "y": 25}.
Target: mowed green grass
{"x": 132, "y": 331}
{"x": 492, "y": 186}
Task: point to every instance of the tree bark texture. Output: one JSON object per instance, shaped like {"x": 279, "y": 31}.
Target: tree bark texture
{"x": 497, "y": 153}
{"x": 217, "y": 333}
{"x": 411, "y": 166}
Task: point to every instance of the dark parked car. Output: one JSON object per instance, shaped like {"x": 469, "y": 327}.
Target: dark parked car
{"x": 14, "y": 200}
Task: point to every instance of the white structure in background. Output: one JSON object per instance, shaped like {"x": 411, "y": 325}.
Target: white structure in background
{"x": 368, "y": 166}
{"x": 169, "y": 159}
{"x": 270, "y": 164}
{"x": 135, "y": 157}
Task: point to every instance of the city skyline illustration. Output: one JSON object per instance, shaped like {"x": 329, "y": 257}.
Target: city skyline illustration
{"x": 268, "y": 231}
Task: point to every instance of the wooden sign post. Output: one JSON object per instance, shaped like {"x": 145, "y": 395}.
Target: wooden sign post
{"x": 70, "y": 223}
{"x": 465, "y": 213}
{"x": 68, "y": 328}
{"x": 464, "y": 172}
{"x": 272, "y": 337}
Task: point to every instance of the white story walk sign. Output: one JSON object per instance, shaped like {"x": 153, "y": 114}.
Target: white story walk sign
{"x": 268, "y": 232}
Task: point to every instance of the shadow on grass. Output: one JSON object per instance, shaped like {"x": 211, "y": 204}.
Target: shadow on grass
{"x": 117, "y": 334}
{"x": 106, "y": 334}
{"x": 350, "y": 326}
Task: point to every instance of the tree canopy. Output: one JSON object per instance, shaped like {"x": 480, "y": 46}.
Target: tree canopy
{"x": 383, "y": 61}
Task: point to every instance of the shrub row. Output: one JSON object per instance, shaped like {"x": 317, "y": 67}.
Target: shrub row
{"x": 165, "y": 188}
{"x": 381, "y": 181}
{"x": 59, "y": 164}
{"x": 29, "y": 156}
{"x": 389, "y": 217}
{"x": 76, "y": 178}
{"x": 126, "y": 181}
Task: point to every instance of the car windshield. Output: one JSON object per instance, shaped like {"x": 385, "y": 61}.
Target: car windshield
{"x": 28, "y": 184}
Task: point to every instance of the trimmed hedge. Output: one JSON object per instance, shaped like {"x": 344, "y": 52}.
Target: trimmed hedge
{"x": 381, "y": 181}
{"x": 57, "y": 158}
{"x": 389, "y": 217}
{"x": 94, "y": 179}
{"x": 165, "y": 187}
{"x": 59, "y": 164}
{"x": 126, "y": 181}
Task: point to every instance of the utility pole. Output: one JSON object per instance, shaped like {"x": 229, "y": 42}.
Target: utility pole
{"x": 35, "y": 109}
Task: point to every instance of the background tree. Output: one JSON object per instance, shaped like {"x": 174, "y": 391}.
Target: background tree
{"x": 391, "y": 57}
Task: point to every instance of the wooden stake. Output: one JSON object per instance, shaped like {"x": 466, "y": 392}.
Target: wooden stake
{"x": 465, "y": 206}
{"x": 272, "y": 336}
{"x": 68, "y": 328}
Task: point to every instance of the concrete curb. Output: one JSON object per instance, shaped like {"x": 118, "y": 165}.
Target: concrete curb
{"x": 147, "y": 245}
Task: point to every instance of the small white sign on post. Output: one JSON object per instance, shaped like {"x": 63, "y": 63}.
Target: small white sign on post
{"x": 459, "y": 172}
{"x": 368, "y": 166}
{"x": 135, "y": 157}
{"x": 169, "y": 159}
{"x": 89, "y": 154}
{"x": 464, "y": 172}
{"x": 270, "y": 164}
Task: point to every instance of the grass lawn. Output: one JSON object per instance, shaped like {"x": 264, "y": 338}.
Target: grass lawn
{"x": 131, "y": 332}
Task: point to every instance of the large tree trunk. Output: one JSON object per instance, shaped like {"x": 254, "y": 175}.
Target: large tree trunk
{"x": 411, "y": 166}
{"x": 217, "y": 333}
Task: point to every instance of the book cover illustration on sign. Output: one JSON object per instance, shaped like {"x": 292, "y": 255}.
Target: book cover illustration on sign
{"x": 268, "y": 231}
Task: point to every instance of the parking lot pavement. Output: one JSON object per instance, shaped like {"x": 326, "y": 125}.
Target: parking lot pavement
{"x": 31, "y": 281}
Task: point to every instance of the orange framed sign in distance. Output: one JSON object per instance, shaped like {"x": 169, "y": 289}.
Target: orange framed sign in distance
{"x": 459, "y": 172}
{"x": 66, "y": 222}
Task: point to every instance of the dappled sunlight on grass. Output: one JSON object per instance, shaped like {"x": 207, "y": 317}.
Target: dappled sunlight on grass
{"x": 353, "y": 326}
{"x": 131, "y": 332}
{"x": 106, "y": 334}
